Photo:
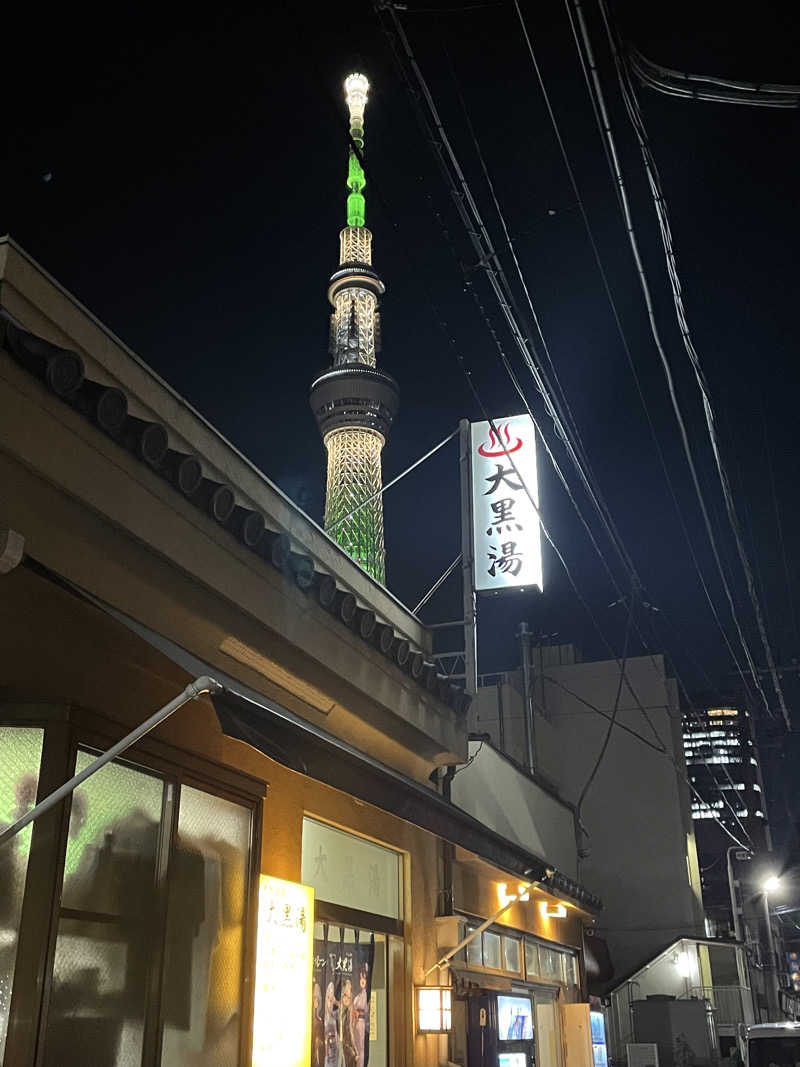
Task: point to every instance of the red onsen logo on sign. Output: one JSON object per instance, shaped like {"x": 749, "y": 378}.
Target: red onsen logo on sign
{"x": 495, "y": 445}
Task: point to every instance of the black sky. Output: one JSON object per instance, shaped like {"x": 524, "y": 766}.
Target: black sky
{"x": 195, "y": 193}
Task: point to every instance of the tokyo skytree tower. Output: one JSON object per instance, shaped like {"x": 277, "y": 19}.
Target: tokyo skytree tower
{"x": 353, "y": 402}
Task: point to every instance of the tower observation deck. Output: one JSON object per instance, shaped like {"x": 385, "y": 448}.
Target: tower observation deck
{"x": 354, "y": 403}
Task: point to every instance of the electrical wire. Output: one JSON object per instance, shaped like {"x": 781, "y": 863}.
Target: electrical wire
{"x": 779, "y": 525}
{"x": 654, "y": 180}
{"x": 663, "y": 751}
{"x": 456, "y": 196}
{"x": 445, "y": 330}
{"x": 470, "y": 761}
{"x": 614, "y": 535}
{"x": 459, "y": 193}
{"x": 615, "y": 313}
{"x": 512, "y": 250}
{"x": 488, "y": 259}
{"x": 607, "y": 739}
{"x": 594, "y": 87}
{"x": 626, "y": 347}
{"x": 674, "y": 83}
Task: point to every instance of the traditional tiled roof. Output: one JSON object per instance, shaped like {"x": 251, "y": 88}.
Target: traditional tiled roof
{"x": 62, "y": 372}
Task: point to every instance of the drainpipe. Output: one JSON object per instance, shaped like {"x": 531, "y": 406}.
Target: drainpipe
{"x": 194, "y": 689}
{"x": 448, "y": 854}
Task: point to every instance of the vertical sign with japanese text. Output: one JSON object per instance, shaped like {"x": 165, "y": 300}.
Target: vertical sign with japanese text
{"x": 284, "y": 970}
{"x": 506, "y": 540}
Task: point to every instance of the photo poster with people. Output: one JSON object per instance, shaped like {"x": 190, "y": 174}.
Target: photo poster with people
{"x": 341, "y": 999}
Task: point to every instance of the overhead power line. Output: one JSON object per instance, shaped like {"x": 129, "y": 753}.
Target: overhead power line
{"x": 580, "y": 828}
{"x": 446, "y": 333}
{"x": 488, "y": 260}
{"x": 659, "y": 201}
{"x": 687, "y": 698}
{"x": 618, "y": 322}
{"x": 617, "y": 319}
{"x": 679, "y": 768}
{"x": 594, "y": 87}
{"x": 709, "y": 88}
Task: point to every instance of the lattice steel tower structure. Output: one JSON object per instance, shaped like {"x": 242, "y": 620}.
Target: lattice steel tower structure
{"x": 353, "y": 402}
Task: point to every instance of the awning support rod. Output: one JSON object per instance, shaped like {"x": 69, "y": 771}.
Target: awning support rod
{"x": 194, "y": 689}
{"x": 445, "y": 960}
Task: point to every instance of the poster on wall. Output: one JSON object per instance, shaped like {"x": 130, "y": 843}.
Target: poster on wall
{"x": 506, "y": 537}
{"x": 341, "y": 999}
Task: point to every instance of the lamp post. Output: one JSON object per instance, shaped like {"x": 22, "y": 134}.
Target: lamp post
{"x": 770, "y": 968}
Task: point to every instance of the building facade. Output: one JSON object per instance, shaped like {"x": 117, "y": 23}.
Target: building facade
{"x": 723, "y": 766}
{"x": 637, "y": 838}
{"x": 272, "y": 874}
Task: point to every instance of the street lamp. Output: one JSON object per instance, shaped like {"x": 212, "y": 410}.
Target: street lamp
{"x": 771, "y": 884}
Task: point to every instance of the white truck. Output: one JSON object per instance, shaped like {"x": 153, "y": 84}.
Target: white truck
{"x": 770, "y": 1045}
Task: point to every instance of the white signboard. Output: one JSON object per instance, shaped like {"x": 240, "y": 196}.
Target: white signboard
{"x": 284, "y": 962}
{"x": 351, "y": 871}
{"x": 506, "y": 540}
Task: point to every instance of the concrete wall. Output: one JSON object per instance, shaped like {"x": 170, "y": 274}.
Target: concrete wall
{"x": 496, "y": 792}
{"x": 642, "y": 859}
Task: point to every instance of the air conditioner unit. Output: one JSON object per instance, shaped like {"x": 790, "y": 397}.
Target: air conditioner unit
{"x": 642, "y": 1055}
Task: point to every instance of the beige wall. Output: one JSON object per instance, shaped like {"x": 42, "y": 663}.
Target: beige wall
{"x": 642, "y": 859}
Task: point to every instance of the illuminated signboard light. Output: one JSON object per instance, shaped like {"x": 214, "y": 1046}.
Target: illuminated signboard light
{"x": 434, "y": 1009}
{"x": 284, "y": 968}
{"x": 522, "y": 893}
{"x": 553, "y": 911}
{"x": 506, "y": 539}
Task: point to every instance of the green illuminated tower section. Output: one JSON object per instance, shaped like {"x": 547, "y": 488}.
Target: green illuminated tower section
{"x": 355, "y": 403}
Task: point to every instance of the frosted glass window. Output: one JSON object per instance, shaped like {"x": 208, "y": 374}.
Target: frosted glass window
{"x": 550, "y": 962}
{"x": 531, "y": 959}
{"x": 475, "y": 950}
{"x": 19, "y": 781}
{"x": 202, "y": 1002}
{"x": 348, "y": 870}
{"x": 108, "y": 921}
{"x": 511, "y": 954}
{"x": 568, "y": 969}
{"x": 491, "y": 951}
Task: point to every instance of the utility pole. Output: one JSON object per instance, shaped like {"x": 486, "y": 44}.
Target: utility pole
{"x": 770, "y": 965}
{"x": 741, "y": 960}
{"x": 468, "y": 563}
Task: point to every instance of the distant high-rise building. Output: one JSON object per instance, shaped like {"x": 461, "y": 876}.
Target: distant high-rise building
{"x": 353, "y": 402}
{"x": 723, "y": 768}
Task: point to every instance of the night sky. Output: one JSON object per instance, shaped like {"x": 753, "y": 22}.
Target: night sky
{"x": 185, "y": 180}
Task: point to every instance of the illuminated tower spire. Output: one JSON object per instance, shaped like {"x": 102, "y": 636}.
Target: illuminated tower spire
{"x": 354, "y": 403}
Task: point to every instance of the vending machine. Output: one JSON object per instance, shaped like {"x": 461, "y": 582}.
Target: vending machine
{"x": 597, "y": 1025}
{"x": 500, "y": 1030}
{"x": 515, "y": 1044}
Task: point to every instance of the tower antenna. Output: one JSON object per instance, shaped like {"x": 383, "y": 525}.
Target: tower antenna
{"x": 353, "y": 402}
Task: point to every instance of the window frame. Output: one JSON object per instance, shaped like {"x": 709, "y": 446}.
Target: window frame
{"x": 66, "y": 730}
